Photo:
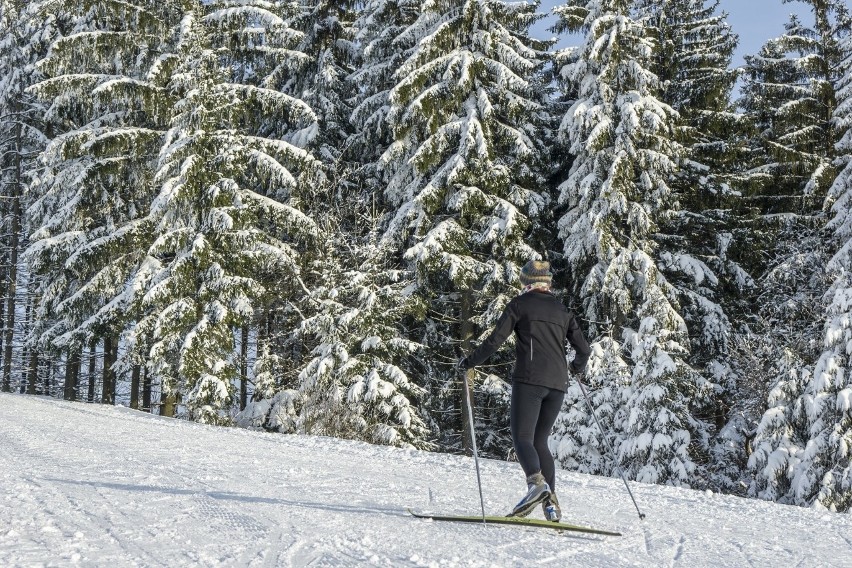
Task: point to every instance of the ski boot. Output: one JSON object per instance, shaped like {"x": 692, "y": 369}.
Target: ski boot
{"x": 551, "y": 509}
{"x": 537, "y": 491}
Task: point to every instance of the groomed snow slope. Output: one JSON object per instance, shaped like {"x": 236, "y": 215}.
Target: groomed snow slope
{"x": 106, "y": 486}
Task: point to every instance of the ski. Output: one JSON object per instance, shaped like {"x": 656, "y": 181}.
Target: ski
{"x": 517, "y": 521}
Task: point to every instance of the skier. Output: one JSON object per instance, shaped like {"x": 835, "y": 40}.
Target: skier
{"x": 541, "y": 324}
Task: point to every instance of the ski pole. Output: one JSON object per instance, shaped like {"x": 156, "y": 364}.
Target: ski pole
{"x": 611, "y": 448}
{"x": 473, "y": 442}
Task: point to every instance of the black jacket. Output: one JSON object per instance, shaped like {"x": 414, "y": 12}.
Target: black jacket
{"x": 541, "y": 325}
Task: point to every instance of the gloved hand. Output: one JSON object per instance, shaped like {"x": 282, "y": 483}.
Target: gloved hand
{"x": 463, "y": 364}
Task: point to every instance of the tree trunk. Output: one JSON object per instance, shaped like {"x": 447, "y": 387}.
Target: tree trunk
{"x": 108, "y": 386}
{"x": 69, "y": 388}
{"x": 146, "y": 391}
{"x": 32, "y": 373}
{"x": 4, "y": 273}
{"x": 134, "y": 387}
{"x": 466, "y": 329}
{"x": 244, "y": 368}
{"x": 262, "y": 341}
{"x": 49, "y": 378}
{"x": 91, "y": 375}
{"x": 72, "y": 374}
{"x": 167, "y": 403}
{"x": 25, "y": 354}
{"x": 11, "y": 286}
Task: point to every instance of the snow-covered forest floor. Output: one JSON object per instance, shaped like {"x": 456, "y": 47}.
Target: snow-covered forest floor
{"x": 109, "y": 486}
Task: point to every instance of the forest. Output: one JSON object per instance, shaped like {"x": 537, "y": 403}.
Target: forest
{"x": 298, "y": 215}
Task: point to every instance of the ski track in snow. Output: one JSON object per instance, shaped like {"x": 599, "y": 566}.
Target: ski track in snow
{"x": 107, "y": 486}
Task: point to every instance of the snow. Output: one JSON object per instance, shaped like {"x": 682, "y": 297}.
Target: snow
{"x": 109, "y": 486}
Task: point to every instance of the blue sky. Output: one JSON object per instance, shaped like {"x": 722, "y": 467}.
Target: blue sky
{"x": 754, "y": 21}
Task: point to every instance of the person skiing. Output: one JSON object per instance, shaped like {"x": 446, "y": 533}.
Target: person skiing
{"x": 541, "y": 324}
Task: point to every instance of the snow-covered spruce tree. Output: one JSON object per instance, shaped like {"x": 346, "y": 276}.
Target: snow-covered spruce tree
{"x": 106, "y": 113}
{"x": 616, "y": 195}
{"x": 355, "y": 381}
{"x": 24, "y": 36}
{"x": 256, "y": 42}
{"x": 321, "y": 77}
{"x": 801, "y": 79}
{"x": 355, "y": 384}
{"x": 694, "y": 46}
{"x": 782, "y": 344}
{"x": 226, "y": 223}
{"x": 462, "y": 176}
{"x": 820, "y": 474}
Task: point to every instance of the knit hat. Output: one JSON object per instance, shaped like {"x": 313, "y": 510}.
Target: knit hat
{"x": 536, "y": 271}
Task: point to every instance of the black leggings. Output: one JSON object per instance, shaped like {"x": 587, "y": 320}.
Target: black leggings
{"x": 532, "y": 414}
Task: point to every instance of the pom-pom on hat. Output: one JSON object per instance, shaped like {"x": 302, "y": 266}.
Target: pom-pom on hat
{"x": 536, "y": 271}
